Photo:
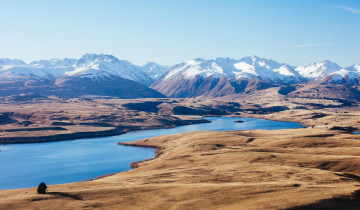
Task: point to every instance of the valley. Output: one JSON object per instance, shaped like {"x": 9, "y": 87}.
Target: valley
{"x": 180, "y": 105}
{"x": 99, "y": 95}
{"x": 314, "y": 167}
{"x": 35, "y": 118}
{"x": 26, "y": 119}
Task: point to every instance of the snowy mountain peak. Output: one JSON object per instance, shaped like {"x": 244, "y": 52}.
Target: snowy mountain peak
{"x": 154, "y": 70}
{"x": 97, "y": 66}
{"x": 329, "y": 64}
{"x": 92, "y": 66}
{"x": 102, "y": 65}
{"x": 255, "y": 58}
{"x": 8, "y": 61}
{"x": 50, "y": 62}
{"x": 348, "y": 75}
{"x": 149, "y": 64}
{"x": 355, "y": 67}
{"x": 247, "y": 67}
{"x": 54, "y": 62}
{"x": 318, "y": 69}
{"x": 92, "y": 58}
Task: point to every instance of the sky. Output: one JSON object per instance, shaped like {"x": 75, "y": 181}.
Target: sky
{"x": 297, "y": 32}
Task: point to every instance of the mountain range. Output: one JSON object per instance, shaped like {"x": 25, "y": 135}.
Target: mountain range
{"x": 100, "y": 74}
{"x": 92, "y": 74}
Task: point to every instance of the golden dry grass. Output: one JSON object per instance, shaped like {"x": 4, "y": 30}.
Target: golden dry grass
{"x": 78, "y": 118}
{"x": 313, "y": 167}
{"x": 219, "y": 170}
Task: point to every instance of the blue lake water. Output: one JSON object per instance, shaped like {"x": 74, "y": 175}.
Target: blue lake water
{"x": 26, "y": 165}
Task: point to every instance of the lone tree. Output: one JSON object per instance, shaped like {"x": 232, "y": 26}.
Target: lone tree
{"x": 41, "y": 188}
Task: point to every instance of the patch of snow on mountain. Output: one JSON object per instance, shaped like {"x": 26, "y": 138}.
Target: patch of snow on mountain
{"x": 245, "y": 68}
{"x": 285, "y": 70}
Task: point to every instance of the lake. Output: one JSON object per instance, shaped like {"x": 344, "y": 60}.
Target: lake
{"x": 26, "y": 165}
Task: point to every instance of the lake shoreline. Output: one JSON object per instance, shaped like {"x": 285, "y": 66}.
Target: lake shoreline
{"x": 221, "y": 162}
{"x": 95, "y": 134}
{"x": 134, "y": 163}
{"x": 122, "y": 130}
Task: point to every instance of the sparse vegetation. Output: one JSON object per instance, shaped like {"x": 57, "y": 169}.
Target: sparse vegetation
{"x": 42, "y": 188}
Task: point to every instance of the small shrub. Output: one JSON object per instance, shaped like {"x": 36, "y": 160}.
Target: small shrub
{"x": 41, "y": 188}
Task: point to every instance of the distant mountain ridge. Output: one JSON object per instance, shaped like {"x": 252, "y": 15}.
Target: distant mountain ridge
{"x": 197, "y": 77}
{"x": 92, "y": 74}
{"x": 225, "y": 76}
{"x": 89, "y": 65}
{"x": 247, "y": 67}
{"x": 154, "y": 70}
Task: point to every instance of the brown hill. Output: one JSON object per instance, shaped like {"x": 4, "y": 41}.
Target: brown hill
{"x": 323, "y": 90}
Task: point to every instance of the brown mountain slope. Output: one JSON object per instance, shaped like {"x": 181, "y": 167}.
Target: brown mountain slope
{"x": 322, "y": 90}
{"x": 208, "y": 87}
{"x": 72, "y": 87}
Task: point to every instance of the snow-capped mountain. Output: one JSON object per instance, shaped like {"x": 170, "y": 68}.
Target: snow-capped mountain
{"x": 93, "y": 65}
{"x": 26, "y": 72}
{"x": 42, "y": 70}
{"x": 349, "y": 75}
{"x": 224, "y": 76}
{"x": 90, "y": 75}
{"x": 154, "y": 70}
{"x": 54, "y": 62}
{"x": 29, "y": 72}
{"x": 8, "y": 61}
{"x": 318, "y": 69}
{"x": 90, "y": 66}
{"x": 245, "y": 68}
{"x": 105, "y": 74}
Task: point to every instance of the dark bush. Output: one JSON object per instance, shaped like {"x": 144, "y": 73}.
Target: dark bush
{"x": 41, "y": 188}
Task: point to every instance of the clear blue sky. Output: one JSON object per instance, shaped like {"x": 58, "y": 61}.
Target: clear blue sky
{"x": 171, "y": 31}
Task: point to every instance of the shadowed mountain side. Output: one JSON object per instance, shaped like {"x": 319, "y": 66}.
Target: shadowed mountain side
{"x": 209, "y": 87}
{"x": 108, "y": 86}
{"x": 71, "y": 87}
